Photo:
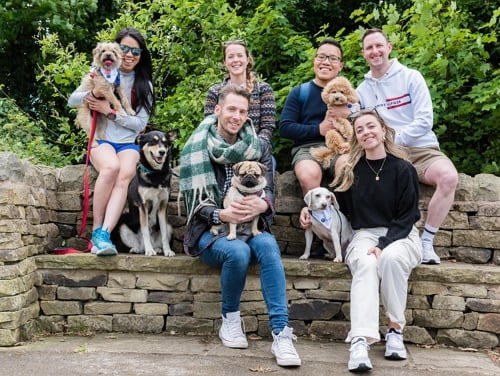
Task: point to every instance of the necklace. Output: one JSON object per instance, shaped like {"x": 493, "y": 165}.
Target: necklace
{"x": 377, "y": 173}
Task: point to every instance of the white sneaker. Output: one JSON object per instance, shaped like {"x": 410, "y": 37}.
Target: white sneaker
{"x": 359, "y": 360}
{"x": 231, "y": 331}
{"x": 428, "y": 254}
{"x": 394, "y": 346}
{"x": 283, "y": 348}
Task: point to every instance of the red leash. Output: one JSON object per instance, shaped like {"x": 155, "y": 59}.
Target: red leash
{"x": 86, "y": 195}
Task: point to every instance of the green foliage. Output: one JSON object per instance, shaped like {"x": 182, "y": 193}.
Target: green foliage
{"x": 453, "y": 44}
{"x": 436, "y": 38}
{"x": 25, "y": 137}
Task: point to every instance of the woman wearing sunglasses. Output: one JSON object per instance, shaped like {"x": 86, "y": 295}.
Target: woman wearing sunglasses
{"x": 115, "y": 154}
{"x": 238, "y": 63}
{"x": 377, "y": 189}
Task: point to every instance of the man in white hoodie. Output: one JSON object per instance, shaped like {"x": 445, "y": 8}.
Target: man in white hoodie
{"x": 402, "y": 98}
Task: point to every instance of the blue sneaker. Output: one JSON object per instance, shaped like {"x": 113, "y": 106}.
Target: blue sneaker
{"x": 101, "y": 243}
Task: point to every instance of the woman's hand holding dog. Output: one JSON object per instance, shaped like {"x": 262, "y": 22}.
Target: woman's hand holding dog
{"x": 95, "y": 104}
{"x": 243, "y": 210}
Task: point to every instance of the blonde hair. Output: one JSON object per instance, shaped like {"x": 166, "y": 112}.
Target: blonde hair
{"x": 251, "y": 77}
{"x": 345, "y": 178}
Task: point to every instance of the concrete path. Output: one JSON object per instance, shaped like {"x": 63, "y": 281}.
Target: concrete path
{"x": 136, "y": 354}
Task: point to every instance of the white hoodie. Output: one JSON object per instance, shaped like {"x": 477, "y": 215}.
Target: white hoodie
{"x": 402, "y": 98}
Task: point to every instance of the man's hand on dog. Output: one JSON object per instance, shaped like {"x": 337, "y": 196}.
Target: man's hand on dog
{"x": 243, "y": 210}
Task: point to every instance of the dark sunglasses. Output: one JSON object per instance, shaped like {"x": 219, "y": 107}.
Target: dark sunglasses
{"x": 135, "y": 50}
{"x": 364, "y": 111}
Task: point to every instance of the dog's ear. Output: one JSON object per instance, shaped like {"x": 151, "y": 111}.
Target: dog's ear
{"x": 236, "y": 167}
{"x": 334, "y": 201}
{"x": 307, "y": 198}
{"x": 138, "y": 138}
{"x": 172, "y": 135}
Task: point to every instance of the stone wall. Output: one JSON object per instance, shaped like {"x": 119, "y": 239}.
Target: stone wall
{"x": 456, "y": 303}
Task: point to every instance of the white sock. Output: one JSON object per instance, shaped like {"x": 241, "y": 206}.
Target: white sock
{"x": 429, "y": 233}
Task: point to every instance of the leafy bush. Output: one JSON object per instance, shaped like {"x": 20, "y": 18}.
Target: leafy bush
{"x": 436, "y": 37}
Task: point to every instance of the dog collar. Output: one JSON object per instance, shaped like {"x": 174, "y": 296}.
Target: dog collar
{"x": 259, "y": 193}
{"x": 143, "y": 168}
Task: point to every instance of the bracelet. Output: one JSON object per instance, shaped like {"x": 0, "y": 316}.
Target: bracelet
{"x": 111, "y": 115}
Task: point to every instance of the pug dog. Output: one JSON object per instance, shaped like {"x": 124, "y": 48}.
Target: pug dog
{"x": 248, "y": 179}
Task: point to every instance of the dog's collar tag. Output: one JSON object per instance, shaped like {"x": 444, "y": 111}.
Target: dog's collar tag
{"x": 323, "y": 216}
{"x": 111, "y": 75}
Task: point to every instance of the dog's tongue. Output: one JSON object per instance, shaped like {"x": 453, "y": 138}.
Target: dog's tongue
{"x": 108, "y": 63}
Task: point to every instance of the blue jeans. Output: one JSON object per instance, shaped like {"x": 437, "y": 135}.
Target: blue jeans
{"x": 234, "y": 257}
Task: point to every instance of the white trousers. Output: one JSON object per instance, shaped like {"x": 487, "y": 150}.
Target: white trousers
{"x": 390, "y": 272}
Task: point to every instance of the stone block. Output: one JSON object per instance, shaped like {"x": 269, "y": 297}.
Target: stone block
{"x": 82, "y": 324}
{"x": 209, "y": 283}
{"x": 172, "y": 297}
{"x": 189, "y": 325}
{"x": 162, "y": 282}
{"x": 451, "y": 303}
{"x": 489, "y": 322}
{"x": 470, "y": 321}
{"x": 123, "y": 295}
{"x": 18, "y": 269}
{"x": 313, "y": 310}
{"x": 329, "y": 329}
{"x": 437, "y": 318}
{"x": 19, "y": 285}
{"x": 16, "y": 319}
{"x": 121, "y": 279}
{"x": 154, "y": 309}
{"x": 18, "y": 302}
{"x": 56, "y": 307}
{"x": 137, "y": 323}
{"x": 467, "y": 339}
{"x": 74, "y": 278}
{"x": 76, "y": 293}
{"x": 206, "y": 310}
{"x": 483, "y": 305}
{"x": 47, "y": 292}
{"x": 476, "y": 238}
{"x": 181, "y": 309}
{"x": 106, "y": 308}
{"x": 417, "y": 335}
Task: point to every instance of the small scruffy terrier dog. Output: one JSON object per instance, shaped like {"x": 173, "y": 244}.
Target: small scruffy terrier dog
{"x": 104, "y": 76}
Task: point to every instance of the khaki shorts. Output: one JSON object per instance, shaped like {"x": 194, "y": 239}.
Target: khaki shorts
{"x": 303, "y": 153}
{"x": 422, "y": 158}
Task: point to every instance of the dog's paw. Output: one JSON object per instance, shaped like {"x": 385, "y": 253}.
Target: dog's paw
{"x": 131, "y": 112}
{"x": 304, "y": 257}
{"x": 135, "y": 250}
{"x": 169, "y": 253}
{"x": 256, "y": 233}
{"x": 337, "y": 259}
{"x": 150, "y": 252}
{"x": 231, "y": 237}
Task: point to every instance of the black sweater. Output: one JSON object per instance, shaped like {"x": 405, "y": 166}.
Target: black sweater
{"x": 390, "y": 202}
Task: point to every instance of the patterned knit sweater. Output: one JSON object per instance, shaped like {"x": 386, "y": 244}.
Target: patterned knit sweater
{"x": 262, "y": 108}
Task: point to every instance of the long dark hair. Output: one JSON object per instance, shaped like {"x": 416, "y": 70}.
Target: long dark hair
{"x": 143, "y": 90}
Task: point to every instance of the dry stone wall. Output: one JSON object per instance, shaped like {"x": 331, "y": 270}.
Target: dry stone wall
{"x": 455, "y": 303}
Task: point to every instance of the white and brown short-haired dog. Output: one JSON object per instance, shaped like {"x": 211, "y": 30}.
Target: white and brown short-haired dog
{"x": 104, "y": 77}
{"x": 327, "y": 222}
{"x": 338, "y": 92}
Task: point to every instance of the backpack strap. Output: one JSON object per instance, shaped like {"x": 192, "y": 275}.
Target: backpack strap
{"x": 304, "y": 90}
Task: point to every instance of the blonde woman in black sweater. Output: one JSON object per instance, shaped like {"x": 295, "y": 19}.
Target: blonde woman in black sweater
{"x": 377, "y": 188}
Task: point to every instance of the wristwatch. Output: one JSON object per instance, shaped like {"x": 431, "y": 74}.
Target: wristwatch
{"x": 111, "y": 115}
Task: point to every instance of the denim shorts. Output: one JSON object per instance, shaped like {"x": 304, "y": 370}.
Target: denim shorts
{"x": 120, "y": 147}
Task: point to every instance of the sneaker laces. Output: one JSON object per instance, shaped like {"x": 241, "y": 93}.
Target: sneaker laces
{"x": 359, "y": 344}
{"x": 235, "y": 328}
{"x": 285, "y": 342}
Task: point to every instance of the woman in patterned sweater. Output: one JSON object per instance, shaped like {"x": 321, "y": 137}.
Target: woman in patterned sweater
{"x": 238, "y": 63}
